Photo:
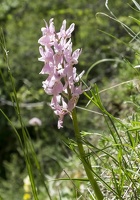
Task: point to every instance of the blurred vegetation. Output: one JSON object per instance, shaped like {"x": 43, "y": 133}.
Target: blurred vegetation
{"x": 21, "y": 21}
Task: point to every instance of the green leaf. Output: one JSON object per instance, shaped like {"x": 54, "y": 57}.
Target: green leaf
{"x": 136, "y": 20}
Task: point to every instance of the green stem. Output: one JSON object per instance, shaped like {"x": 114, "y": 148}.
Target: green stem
{"x": 85, "y": 161}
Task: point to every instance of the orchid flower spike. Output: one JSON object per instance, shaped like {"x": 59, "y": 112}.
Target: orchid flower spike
{"x": 62, "y": 82}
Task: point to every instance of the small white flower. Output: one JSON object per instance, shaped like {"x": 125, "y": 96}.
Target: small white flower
{"x": 35, "y": 121}
{"x": 27, "y": 184}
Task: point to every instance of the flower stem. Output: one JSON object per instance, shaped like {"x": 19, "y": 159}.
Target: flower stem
{"x": 85, "y": 161}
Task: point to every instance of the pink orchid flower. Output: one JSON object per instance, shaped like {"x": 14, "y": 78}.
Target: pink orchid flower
{"x": 62, "y": 82}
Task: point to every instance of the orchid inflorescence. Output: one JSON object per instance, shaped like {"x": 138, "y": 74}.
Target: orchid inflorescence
{"x": 62, "y": 81}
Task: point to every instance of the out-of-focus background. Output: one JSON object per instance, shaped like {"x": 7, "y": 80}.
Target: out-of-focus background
{"x": 21, "y": 22}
